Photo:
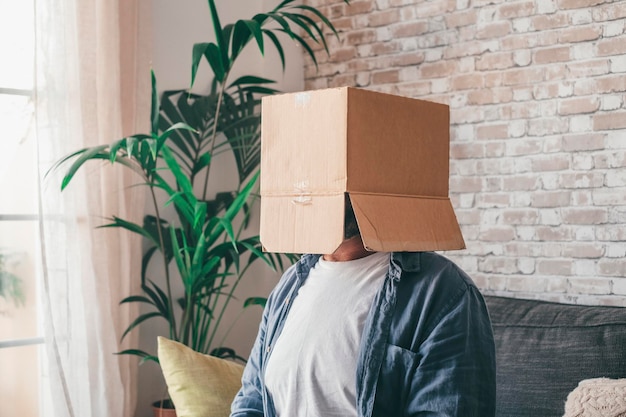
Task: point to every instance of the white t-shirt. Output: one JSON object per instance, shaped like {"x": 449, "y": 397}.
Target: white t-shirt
{"x": 311, "y": 371}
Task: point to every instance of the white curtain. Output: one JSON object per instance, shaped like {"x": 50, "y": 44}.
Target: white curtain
{"x": 92, "y": 87}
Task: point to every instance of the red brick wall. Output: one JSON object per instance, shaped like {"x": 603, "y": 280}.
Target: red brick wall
{"x": 537, "y": 95}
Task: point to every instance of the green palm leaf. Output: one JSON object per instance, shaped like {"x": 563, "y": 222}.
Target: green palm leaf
{"x": 143, "y": 355}
{"x": 277, "y": 45}
{"x": 140, "y": 320}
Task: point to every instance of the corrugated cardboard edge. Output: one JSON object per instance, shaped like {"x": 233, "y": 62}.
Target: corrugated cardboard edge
{"x": 433, "y": 226}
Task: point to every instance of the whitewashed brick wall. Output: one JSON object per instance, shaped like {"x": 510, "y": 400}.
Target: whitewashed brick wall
{"x": 537, "y": 95}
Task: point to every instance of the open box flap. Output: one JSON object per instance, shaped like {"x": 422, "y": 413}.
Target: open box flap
{"x": 391, "y": 223}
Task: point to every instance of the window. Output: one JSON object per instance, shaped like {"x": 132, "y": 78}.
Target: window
{"x": 21, "y": 348}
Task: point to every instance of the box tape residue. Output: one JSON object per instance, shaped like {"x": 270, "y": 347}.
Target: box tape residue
{"x": 302, "y": 100}
{"x": 302, "y": 193}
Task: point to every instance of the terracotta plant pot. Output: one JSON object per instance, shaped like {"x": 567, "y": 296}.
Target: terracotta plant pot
{"x": 163, "y": 408}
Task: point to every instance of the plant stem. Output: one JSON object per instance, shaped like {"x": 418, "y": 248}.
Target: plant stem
{"x": 202, "y": 326}
{"x": 232, "y": 326}
{"x": 228, "y": 298}
{"x": 172, "y": 317}
{"x": 185, "y": 324}
{"x": 220, "y": 97}
{"x": 213, "y": 318}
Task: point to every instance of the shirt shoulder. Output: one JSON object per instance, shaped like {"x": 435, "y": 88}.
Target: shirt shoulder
{"x": 430, "y": 269}
{"x": 431, "y": 292}
{"x": 291, "y": 278}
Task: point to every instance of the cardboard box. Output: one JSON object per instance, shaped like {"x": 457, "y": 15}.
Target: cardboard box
{"x": 390, "y": 154}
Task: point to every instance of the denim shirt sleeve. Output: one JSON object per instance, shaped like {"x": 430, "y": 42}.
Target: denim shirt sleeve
{"x": 249, "y": 399}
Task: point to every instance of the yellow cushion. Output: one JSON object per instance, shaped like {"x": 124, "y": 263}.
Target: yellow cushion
{"x": 199, "y": 385}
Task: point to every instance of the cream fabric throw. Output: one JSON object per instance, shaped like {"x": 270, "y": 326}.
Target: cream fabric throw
{"x": 598, "y": 397}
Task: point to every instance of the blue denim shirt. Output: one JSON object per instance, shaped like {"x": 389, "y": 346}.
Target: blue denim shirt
{"x": 427, "y": 347}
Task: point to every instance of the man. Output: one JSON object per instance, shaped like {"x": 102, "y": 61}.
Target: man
{"x": 356, "y": 333}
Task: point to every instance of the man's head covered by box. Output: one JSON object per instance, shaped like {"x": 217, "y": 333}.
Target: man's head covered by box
{"x": 386, "y": 156}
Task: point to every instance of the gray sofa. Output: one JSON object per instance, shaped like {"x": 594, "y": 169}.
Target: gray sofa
{"x": 543, "y": 350}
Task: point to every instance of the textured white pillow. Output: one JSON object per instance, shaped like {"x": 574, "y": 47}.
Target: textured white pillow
{"x": 199, "y": 385}
{"x": 597, "y": 397}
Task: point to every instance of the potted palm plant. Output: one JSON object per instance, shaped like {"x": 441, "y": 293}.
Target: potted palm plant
{"x": 205, "y": 239}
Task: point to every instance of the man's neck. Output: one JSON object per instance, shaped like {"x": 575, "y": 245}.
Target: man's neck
{"x": 349, "y": 250}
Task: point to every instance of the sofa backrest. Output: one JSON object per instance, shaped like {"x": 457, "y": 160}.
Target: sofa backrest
{"x": 544, "y": 349}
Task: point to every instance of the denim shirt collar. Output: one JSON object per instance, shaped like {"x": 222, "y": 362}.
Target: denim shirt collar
{"x": 403, "y": 261}
{"x": 307, "y": 262}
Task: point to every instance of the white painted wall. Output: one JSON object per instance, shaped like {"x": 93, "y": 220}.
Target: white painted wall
{"x": 177, "y": 25}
